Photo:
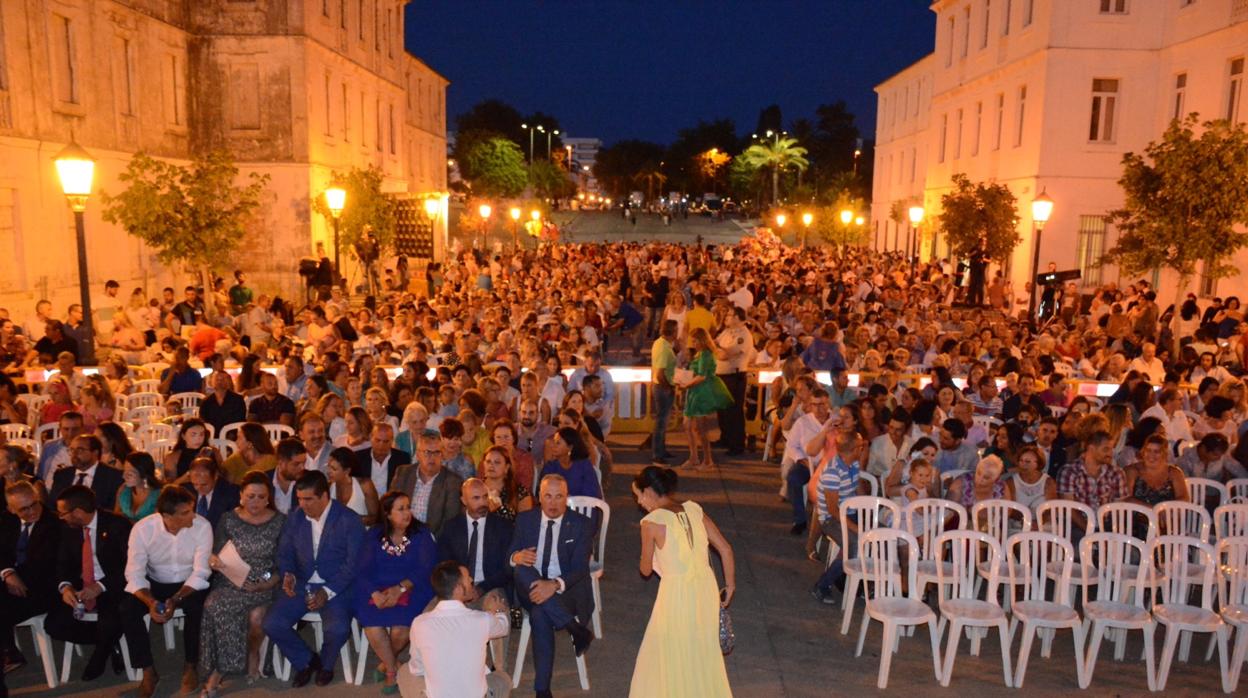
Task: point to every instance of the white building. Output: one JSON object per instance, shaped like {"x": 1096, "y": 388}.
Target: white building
{"x": 1048, "y": 95}
{"x": 584, "y": 155}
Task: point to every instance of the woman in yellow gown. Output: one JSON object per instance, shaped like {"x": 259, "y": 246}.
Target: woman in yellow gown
{"x": 680, "y": 655}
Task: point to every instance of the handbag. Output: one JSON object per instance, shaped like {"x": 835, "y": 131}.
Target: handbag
{"x": 727, "y": 637}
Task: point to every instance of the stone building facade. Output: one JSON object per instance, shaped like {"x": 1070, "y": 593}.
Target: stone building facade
{"x": 296, "y": 89}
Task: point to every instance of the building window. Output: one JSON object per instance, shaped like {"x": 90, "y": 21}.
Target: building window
{"x": 1180, "y": 94}
{"x": 957, "y": 138}
{"x": 342, "y": 14}
{"x": 918, "y": 97}
{"x": 346, "y": 115}
{"x": 1029, "y": 12}
{"x": 1113, "y": 7}
{"x": 377, "y": 25}
{"x": 983, "y": 40}
{"x": 949, "y": 52}
{"x": 63, "y": 59}
{"x": 1089, "y": 249}
{"x": 1234, "y": 90}
{"x": 1005, "y": 18}
{"x": 979, "y": 125}
{"x": 392, "y": 149}
{"x": 385, "y": 28}
{"x": 1022, "y": 116}
{"x": 4, "y": 72}
{"x": 377, "y": 112}
{"x": 328, "y": 105}
{"x": 360, "y": 14}
{"x": 325, "y": 7}
{"x": 125, "y": 79}
{"x": 914, "y": 156}
{"x": 176, "y": 87}
{"x": 996, "y": 136}
{"x": 1208, "y": 284}
{"x": 966, "y": 30}
{"x": 363, "y": 120}
{"x": 1104, "y": 99}
{"x": 944, "y": 137}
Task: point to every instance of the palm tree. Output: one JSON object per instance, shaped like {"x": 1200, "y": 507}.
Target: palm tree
{"x": 779, "y": 155}
{"x": 650, "y": 176}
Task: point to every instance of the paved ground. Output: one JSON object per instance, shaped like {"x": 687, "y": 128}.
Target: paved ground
{"x": 787, "y": 644}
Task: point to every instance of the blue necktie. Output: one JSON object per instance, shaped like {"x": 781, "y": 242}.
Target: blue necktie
{"x": 23, "y": 542}
{"x": 547, "y": 547}
{"x": 202, "y": 507}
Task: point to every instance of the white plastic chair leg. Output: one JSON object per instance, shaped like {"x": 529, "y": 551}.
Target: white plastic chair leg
{"x": 521, "y": 648}
{"x": 1230, "y": 679}
{"x": 43, "y": 647}
{"x": 597, "y": 617}
{"x": 1094, "y": 647}
{"x": 1005, "y": 652}
{"x": 847, "y": 601}
{"x": 1223, "y": 634}
{"x": 886, "y": 653}
{"x": 1024, "y": 654}
{"x": 1167, "y": 656}
{"x": 1185, "y": 645}
{"x": 951, "y": 651}
{"x": 862, "y": 634}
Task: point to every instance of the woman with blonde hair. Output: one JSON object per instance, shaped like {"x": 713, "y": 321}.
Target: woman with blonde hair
{"x": 98, "y": 405}
{"x": 127, "y": 340}
{"x": 376, "y": 404}
{"x": 330, "y": 407}
{"x": 117, "y": 373}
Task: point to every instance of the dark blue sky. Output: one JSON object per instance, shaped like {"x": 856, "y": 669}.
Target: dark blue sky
{"x": 644, "y": 69}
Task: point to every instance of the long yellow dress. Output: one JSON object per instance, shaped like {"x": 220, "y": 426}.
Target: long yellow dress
{"x": 680, "y": 656}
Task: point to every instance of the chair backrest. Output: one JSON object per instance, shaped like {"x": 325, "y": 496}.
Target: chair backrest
{"x": 963, "y": 550}
{"x": 1232, "y": 558}
{"x": 1183, "y": 519}
{"x": 880, "y": 555}
{"x": 871, "y": 512}
{"x": 1056, "y": 516}
{"x": 277, "y": 432}
{"x": 159, "y": 448}
{"x": 34, "y": 405}
{"x": 146, "y": 415}
{"x": 1112, "y": 575}
{"x": 1057, "y": 411}
{"x": 227, "y": 448}
{"x": 1237, "y": 489}
{"x": 1206, "y": 492}
{"x": 48, "y": 432}
{"x": 1119, "y": 517}
{"x": 15, "y": 431}
{"x": 147, "y": 385}
{"x": 147, "y": 434}
{"x": 986, "y": 421}
{"x": 1183, "y": 563}
{"x": 927, "y": 518}
{"x": 1030, "y": 556}
{"x": 1230, "y": 520}
{"x": 992, "y": 516}
{"x": 145, "y": 400}
{"x": 948, "y": 477}
{"x": 154, "y": 369}
{"x": 188, "y": 403}
{"x": 586, "y": 506}
{"x": 873, "y": 483}
{"x": 32, "y": 446}
{"x": 127, "y": 427}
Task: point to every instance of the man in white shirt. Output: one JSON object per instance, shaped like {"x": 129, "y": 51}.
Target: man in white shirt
{"x": 448, "y": 642}
{"x": 312, "y": 433}
{"x": 1148, "y": 364}
{"x": 1169, "y": 410}
{"x": 891, "y": 445}
{"x": 818, "y": 411}
{"x": 166, "y": 570}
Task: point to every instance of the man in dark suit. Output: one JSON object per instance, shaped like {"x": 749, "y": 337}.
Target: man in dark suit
{"x": 478, "y": 540}
{"x": 84, "y": 456}
{"x": 214, "y": 495}
{"x": 29, "y": 537}
{"x": 316, "y": 557}
{"x": 550, "y": 553}
{"x": 434, "y": 490}
{"x": 93, "y": 534}
{"x": 381, "y": 461}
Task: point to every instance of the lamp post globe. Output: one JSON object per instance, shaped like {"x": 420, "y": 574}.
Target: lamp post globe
{"x": 807, "y": 219}
{"x": 76, "y": 170}
{"x": 847, "y": 215}
{"x": 916, "y": 217}
{"x": 335, "y": 201}
{"x": 1041, "y": 210}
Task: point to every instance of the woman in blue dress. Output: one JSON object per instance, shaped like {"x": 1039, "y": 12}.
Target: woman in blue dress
{"x": 571, "y": 460}
{"x": 393, "y": 584}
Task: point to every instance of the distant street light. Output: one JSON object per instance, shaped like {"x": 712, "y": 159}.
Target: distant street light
{"x": 484, "y": 210}
{"x": 807, "y": 219}
{"x": 515, "y": 227}
{"x": 916, "y": 217}
{"x": 431, "y": 207}
{"x": 846, "y": 216}
{"x": 335, "y": 201}
{"x": 1041, "y": 209}
{"x": 781, "y": 219}
{"x": 76, "y": 169}
{"x": 528, "y": 128}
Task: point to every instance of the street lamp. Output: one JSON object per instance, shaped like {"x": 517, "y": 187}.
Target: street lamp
{"x": 528, "y": 128}
{"x": 859, "y": 220}
{"x": 781, "y": 219}
{"x": 484, "y": 210}
{"x": 569, "y": 163}
{"x": 807, "y": 219}
{"x": 76, "y": 169}
{"x": 1041, "y": 209}
{"x": 548, "y": 134}
{"x": 916, "y": 217}
{"x": 846, "y": 216}
{"x": 515, "y": 227}
{"x": 335, "y": 200}
{"x": 431, "y": 207}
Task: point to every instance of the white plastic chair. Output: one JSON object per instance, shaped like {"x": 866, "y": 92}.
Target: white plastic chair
{"x": 146, "y": 434}
{"x": 188, "y": 403}
{"x": 146, "y": 415}
{"x": 152, "y": 399}
{"x": 1057, "y": 516}
{"x": 1237, "y": 490}
{"x": 277, "y": 432}
{"x": 15, "y": 431}
{"x": 871, "y": 513}
{"x": 149, "y": 385}
{"x": 43, "y": 645}
{"x": 926, "y": 519}
{"x": 992, "y": 516}
{"x": 1031, "y": 558}
{"x": 522, "y": 649}
{"x": 1230, "y": 520}
{"x": 230, "y": 431}
{"x": 34, "y": 406}
{"x": 986, "y": 421}
{"x": 1115, "y": 607}
{"x": 1119, "y": 517}
{"x": 961, "y": 609}
{"x": 281, "y": 665}
{"x": 1201, "y": 490}
{"x": 31, "y": 446}
{"x": 1176, "y": 518}
{"x": 873, "y": 483}
{"x": 1232, "y": 558}
{"x": 71, "y": 649}
{"x": 587, "y": 506}
{"x": 159, "y": 448}
{"x": 880, "y": 553}
{"x": 1177, "y": 557}
{"x": 48, "y": 432}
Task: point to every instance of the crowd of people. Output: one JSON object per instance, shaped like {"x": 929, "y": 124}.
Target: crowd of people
{"x": 412, "y": 454}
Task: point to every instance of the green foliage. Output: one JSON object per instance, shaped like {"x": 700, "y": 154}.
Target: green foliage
{"x": 899, "y": 212}
{"x": 979, "y": 216}
{"x": 497, "y": 168}
{"x": 549, "y": 181}
{"x": 1184, "y": 198}
{"x": 743, "y": 178}
{"x": 493, "y": 117}
{"x": 366, "y": 205}
{"x": 777, "y": 155}
{"x": 618, "y": 165}
{"x": 194, "y": 215}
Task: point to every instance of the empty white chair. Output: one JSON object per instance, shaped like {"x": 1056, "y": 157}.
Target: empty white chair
{"x": 146, "y": 415}
{"x": 961, "y": 609}
{"x": 926, "y": 519}
{"x": 48, "y": 432}
{"x": 1121, "y": 518}
{"x": 1031, "y": 557}
{"x": 159, "y": 449}
{"x": 1176, "y": 518}
{"x": 32, "y": 446}
{"x": 1063, "y": 518}
{"x": 1115, "y": 607}
{"x": 188, "y": 403}
{"x": 15, "y": 431}
{"x": 880, "y": 552}
{"x": 277, "y": 432}
{"x": 146, "y": 434}
{"x": 43, "y": 645}
{"x": 587, "y": 506}
{"x": 870, "y": 513}
{"x": 1237, "y": 490}
{"x": 152, "y": 399}
{"x": 522, "y": 648}
{"x": 1232, "y": 557}
{"x": 34, "y": 406}
{"x": 1230, "y": 520}
{"x": 992, "y": 516}
{"x": 1206, "y": 492}
{"x": 1177, "y": 558}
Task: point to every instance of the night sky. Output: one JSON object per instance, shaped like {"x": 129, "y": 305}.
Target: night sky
{"x": 644, "y": 69}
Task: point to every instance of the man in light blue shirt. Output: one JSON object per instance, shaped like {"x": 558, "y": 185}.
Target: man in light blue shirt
{"x": 956, "y": 453}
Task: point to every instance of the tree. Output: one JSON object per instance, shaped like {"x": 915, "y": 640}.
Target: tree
{"x": 1185, "y": 197}
{"x": 496, "y": 166}
{"x": 744, "y": 180}
{"x": 776, "y": 154}
{"x": 195, "y": 215}
{"x": 550, "y": 181}
{"x": 618, "y": 164}
{"x": 650, "y": 176}
{"x": 494, "y": 117}
{"x": 979, "y": 217}
{"x": 366, "y": 206}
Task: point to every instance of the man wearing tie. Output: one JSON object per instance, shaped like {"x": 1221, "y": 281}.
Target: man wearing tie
{"x": 91, "y": 569}
{"x": 380, "y": 461}
{"x": 550, "y": 555}
{"x": 84, "y": 456}
{"x": 167, "y": 569}
{"x": 316, "y": 557}
{"x": 28, "y": 544}
{"x": 478, "y": 540}
{"x": 213, "y": 494}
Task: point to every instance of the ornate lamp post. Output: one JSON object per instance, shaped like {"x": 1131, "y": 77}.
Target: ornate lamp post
{"x": 916, "y": 217}
{"x": 335, "y": 200}
{"x": 807, "y": 219}
{"x": 76, "y": 169}
{"x": 484, "y": 210}
{"x": 1041, "y": 209}
{"x": 515, "y": 227}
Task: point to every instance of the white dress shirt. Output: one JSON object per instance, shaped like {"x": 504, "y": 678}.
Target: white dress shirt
{"x": 552, "y": 572}
{"x": 448, "y": 648}
{"x": 802, "y": 431}
{"x": 282, "y": 500}
{"x": 318, "y": 528}
{"x": 90, "y": 478}
{"x": 478, "y": 565}
{"x": 1177, "y": 426}
{"x": 380, "y": 469}
{"x": 92, "y": 529}
{"x": 317, "y": 461}
{"x": 884, "y": 453}
{"x": 166, "y": 558}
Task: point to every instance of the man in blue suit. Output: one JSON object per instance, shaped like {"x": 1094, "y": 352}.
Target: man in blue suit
{"x": 214, "y": 495}
{"x": 316, "y": 557}
{"x": 550, "y": 555}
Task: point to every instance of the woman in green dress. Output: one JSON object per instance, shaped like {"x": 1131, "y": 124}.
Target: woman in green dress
{"x": 705, "y": 394}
